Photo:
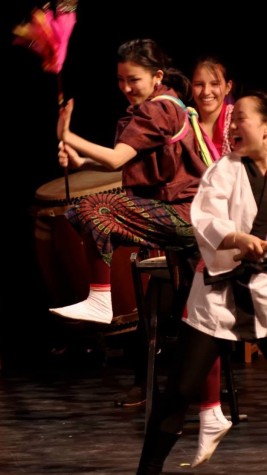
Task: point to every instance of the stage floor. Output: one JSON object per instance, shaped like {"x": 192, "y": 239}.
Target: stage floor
{"x": 61, "y": 419}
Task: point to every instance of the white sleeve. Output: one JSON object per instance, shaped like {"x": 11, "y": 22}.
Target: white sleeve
{"x": 214, "y": 212}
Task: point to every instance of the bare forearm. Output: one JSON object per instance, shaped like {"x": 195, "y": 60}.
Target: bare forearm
{"x": 108, "y": 157}
{"x": 251, "y": 247}
{"x": 229, "y": 242}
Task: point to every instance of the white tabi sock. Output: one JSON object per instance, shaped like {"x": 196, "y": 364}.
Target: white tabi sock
{"x": 213, "y": 427}
{"x": 96, "y": 308}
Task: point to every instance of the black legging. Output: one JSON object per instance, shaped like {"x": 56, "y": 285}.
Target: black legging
{"x": 193, "y": 358}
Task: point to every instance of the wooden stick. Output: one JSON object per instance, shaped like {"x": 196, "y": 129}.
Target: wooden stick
{"x": 60, "y": 104}
{"x": 67, "y": 188}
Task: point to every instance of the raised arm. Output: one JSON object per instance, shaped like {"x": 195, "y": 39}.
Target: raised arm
{"x": 112, "y": 158}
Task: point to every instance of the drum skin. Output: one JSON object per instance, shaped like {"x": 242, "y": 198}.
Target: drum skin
{"x": 60, "y": 250}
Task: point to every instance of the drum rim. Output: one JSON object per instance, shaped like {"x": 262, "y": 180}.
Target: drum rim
{"x": 45, "y": 193}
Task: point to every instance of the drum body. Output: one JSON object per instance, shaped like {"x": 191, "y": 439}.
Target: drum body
{"x": 60, "y": 250}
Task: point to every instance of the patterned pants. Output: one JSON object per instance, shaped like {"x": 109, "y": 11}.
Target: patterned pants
{"x": 114, "y": 219}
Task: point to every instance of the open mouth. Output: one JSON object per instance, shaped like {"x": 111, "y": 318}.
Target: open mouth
{"x": 235, "y": 140}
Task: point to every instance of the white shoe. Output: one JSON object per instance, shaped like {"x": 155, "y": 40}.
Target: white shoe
{"x": 213, "y": 427}
{"x": 96, "y": 308}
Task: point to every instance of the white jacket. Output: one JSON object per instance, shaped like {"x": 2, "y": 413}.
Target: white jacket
{"x": 224, "y": 203}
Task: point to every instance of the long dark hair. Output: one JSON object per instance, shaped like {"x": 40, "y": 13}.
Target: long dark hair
{"x": 147, "y": 53}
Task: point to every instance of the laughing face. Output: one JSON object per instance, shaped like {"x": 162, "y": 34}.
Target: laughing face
{"x": 248, "y": 131}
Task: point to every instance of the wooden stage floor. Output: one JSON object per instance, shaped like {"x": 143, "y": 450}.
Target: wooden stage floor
{"x": 61, "y": 419}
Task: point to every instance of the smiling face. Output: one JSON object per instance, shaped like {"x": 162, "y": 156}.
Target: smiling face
{"x": 136, "y": 82}
{"x": 248, "y": 131}
{"x": 209, "y": 89}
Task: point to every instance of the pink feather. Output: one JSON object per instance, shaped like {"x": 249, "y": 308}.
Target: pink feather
{"x": 47, "y": 35}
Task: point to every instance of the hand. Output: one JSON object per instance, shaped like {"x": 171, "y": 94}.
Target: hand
{"x": 64, "y": 119}
{"x": 68, "y": 157}
{"x": 251, "y": 247}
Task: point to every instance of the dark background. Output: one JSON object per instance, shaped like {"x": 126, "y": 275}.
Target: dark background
{"x": 29, "y": 115}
